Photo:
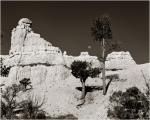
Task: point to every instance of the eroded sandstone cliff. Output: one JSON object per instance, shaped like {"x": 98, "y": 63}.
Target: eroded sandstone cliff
{"x": 119, "y": 60}
{"x": 34, "y": 58}
{"x": 28, "y": 48}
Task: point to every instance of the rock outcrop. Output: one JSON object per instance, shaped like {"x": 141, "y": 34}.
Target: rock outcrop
{"x": 119, "y": 60}
{"x": 34, "y": 58}
{"x": 28, "y": 48}
{"x": 84, "y": 56}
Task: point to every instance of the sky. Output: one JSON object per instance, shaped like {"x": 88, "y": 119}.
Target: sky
{"x": 67, "y": 25}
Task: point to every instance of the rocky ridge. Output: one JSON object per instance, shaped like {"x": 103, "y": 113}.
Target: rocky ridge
{"x": 33, "y": 57}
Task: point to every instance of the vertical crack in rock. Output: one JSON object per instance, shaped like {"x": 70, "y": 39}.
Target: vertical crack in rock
{"x": 29, "y": 50}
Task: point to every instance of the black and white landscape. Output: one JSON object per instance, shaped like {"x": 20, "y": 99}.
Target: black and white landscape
{"x": 41, "y": 81}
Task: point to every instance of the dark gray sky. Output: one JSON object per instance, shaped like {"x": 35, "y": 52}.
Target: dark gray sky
{"x": 67, "y": 24}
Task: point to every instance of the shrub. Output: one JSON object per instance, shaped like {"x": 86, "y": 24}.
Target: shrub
{"x": 5, "y": 71}
{"x": 131, "y": 104}
{"x": 27, "y": 109}
{"x": 8, "y": 102}
{"x": 68, "y": 116}
{"x": 31, "y": 109}
{"x": 41, "y": 115}
{"x": 24, "y": 83}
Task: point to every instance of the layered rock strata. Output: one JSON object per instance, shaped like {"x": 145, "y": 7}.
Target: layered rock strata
{"x": 84, "y": 56}
{"x": 33, "y": 57}
{"x": 119, "y": 60}
{"x": 28, "y": 48}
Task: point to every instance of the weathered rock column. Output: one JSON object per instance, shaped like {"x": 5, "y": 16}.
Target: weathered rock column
{"x": 31, "y": 56}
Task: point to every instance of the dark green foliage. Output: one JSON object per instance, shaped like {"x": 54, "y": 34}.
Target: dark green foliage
{"x": 102, "y": 31}
{"x": 24, "y": 83}
{"x": 3, "y": 109}
{"x": 8, "y": 101}
{"x": 31, "y": 109}
{"x": 80, "y": 69}
{"x": 131, "y": 104}
{"x": 94, "y": 72}
{"x": 68, "y": 116}
{"x": 10, "y": 108}
{"x": 41, "y": 115}
{"x": 102, "y": 28}
{"x": 5, "y": 71}
{"x": 83, "y": 70}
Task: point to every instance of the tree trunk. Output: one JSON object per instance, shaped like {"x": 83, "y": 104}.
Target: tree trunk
{"x": 83, "y": 89}
{"x": 103, "y": 65}
{"x": 82, "y": 98}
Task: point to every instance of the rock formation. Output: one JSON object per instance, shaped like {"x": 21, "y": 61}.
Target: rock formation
{"x": 28, "y": 48}
{"x": 119, "y": 60}
{"x": 84, "y": 56}
{"x": 34, "y": 58}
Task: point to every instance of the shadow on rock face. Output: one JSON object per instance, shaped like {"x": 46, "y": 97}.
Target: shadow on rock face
{"x": 90, "y": 88}
{"x": 89, "y": 93}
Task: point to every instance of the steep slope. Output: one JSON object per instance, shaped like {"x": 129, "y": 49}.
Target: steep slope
{"x": 62, "y": 97}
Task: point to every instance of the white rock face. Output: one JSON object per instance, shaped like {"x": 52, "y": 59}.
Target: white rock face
{"x": 119, "y": 60}
{"x": 34, "y": 58}
{"x": 38, "y": 74}
{"x": 29, "y": 48}
{"x": 84, "y": 56}
{"x": 3, "y": 58}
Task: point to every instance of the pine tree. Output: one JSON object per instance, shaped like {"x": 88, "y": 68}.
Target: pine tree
{"x": 101, "y": 31}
